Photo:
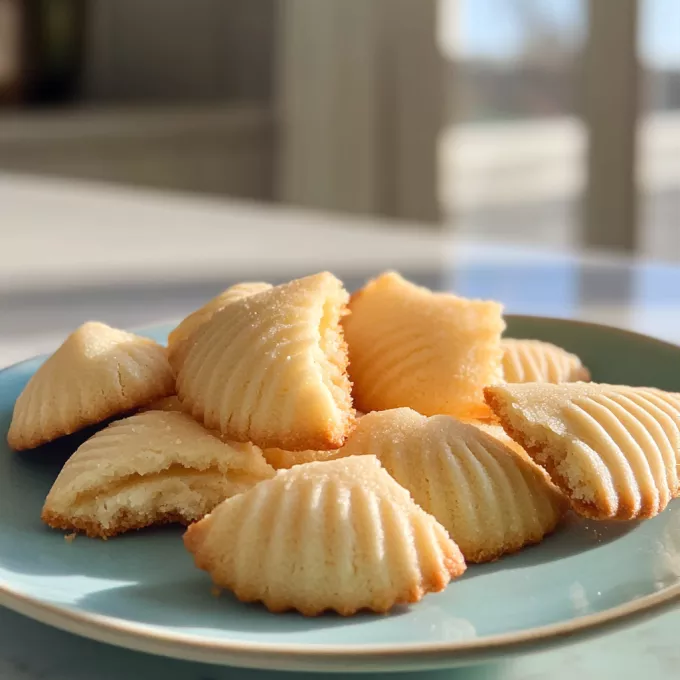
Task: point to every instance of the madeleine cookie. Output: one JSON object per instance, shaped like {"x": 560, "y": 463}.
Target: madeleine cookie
{"x": 496, "y": 431}
{"x": 272, "y": 368}
{"x": 280, "y": 459}
{"x": 537, "y": 361}
{"x": 341, "y": 535}
{"x": 179, "y": 337}
{"x": 431, "y": 351}
{"x": 277, "y": 458}
{"x": 171, "y": 403}
{"x": 98, "y": 372}
{"x": 284, "y": 460}
{"x": 489, "y": 498}
{"x": 151, "y": 468}
{"x": 611, "y": 449}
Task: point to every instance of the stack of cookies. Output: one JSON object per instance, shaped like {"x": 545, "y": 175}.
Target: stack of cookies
{"x": 250, "y": 428}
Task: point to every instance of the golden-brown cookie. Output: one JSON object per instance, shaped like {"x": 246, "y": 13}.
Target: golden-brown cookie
{"x": 150, "y": 468}
{"x": 97, "y": 373}
{"x": 280, "y": 459}
{"x": 272, "y": 368}
{"x": 611, "y": 449}
{"x": 537, "y": 361}
{"x": 491, "y": 500}
{"x": 339, "y": 535}
{"x": 496, "y": 431}
{"x": 171, "y": 403}
{"x": 431, "y": 351}
{"x": 178, "y": 339}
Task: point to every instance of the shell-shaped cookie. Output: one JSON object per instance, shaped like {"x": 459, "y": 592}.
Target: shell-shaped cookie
{"x": 612, "y": 449}
{"x": 280, "y": 459}
{"x": 98, "y": 372}
{"x": 272, "y": 368}
{"x": 179, "y": 337}
{"x": 491, "y": 500}
{"x": 171, "y": 403}
{"x": 150, "y": 468}
{"x": 496, "y": 431}
{"x": 433, "y": 352}
{"x": 339, "y": 535}
{"x": 538, "y": 361}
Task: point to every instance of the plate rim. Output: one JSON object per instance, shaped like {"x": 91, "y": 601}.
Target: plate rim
{"x": 153, "y": 639}
{"x": 157, "y": 640}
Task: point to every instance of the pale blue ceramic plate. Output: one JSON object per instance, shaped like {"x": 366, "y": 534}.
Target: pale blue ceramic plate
{"x": 142, "y": 591}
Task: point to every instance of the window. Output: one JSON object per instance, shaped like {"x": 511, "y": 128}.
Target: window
{"x": 512, "y": 149}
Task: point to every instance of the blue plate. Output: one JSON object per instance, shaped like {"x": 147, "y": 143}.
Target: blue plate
{"x": 142, "y": 590}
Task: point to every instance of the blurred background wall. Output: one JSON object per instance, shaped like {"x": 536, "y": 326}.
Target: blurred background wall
{"x": 544, "y": 121}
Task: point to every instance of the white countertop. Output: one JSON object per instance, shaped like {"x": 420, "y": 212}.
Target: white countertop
{"x": 62, "y": 233}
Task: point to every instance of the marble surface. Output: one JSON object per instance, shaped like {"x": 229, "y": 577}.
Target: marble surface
{"x": 70, "y": 252}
